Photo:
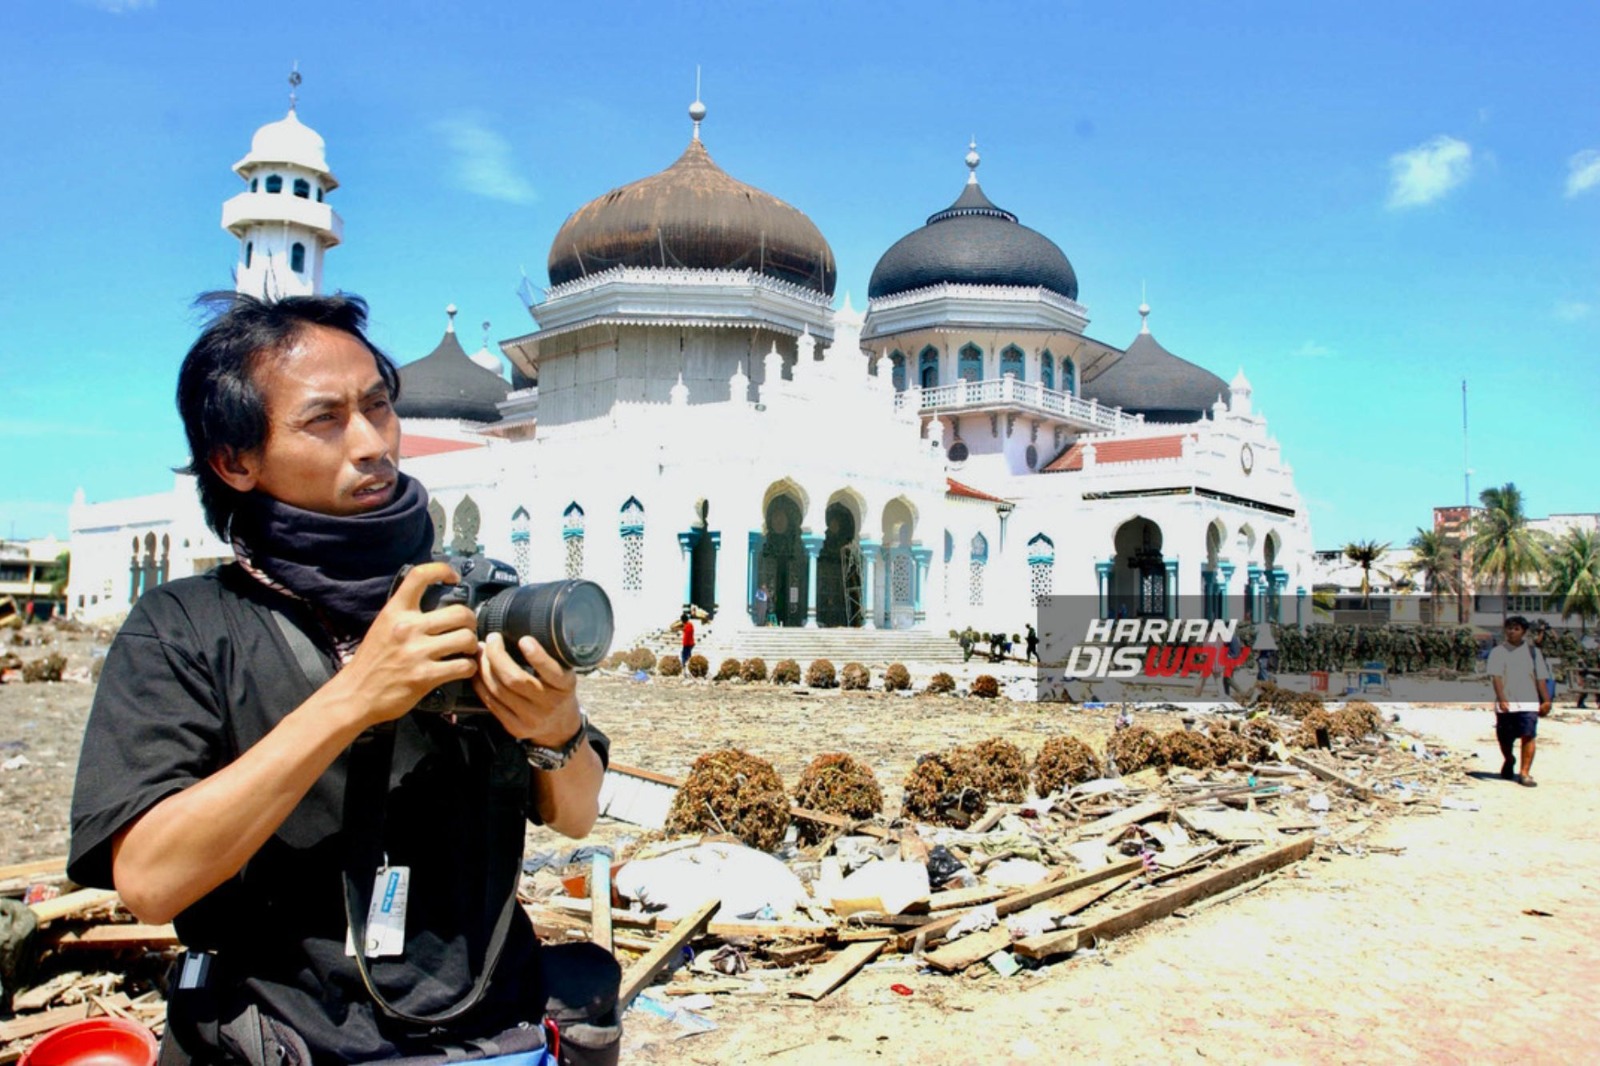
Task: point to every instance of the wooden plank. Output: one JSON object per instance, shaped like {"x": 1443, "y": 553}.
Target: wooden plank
{"x": 648, "y": 775}
{"x": 35, "y": 868}
{"x": 838, "y": 821}
{"x": 775, "y": 930}
{"x": 963, "y": 897}
{"x": 640, "y": 944}
{"x": 837, "y": 970}
{"x": 644, "y": 971}
{"x": 33, "y": 1024}
{"x": 1112, "y": 823}
{"x": 73, "y": 904}
{"x": 975, "y": 947}
{"x": 600, "y": 900}
{"x": 1039, "y": 947}
{"x": 1330, "y": 775}
{"x": 789, "y": 954}
{"x": 111, "y": 937}
{"x": 1017, "y": 901}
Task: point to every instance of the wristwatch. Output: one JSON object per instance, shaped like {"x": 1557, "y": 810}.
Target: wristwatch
{"x": 543, "y": 758}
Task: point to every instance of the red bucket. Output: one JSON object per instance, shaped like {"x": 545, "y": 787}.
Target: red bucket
{"x": 95, "y": 1042}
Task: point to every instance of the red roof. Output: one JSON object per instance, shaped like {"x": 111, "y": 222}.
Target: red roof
{"x": 414, "y": 447}
{"x": 1119, "y": 451}
{"x": 956, "y": 488}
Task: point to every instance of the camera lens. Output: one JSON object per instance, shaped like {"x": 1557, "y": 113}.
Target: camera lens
{"x": 570, "y": 619}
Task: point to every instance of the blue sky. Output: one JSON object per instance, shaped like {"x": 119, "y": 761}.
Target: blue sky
{"x": 1361, "y": 204}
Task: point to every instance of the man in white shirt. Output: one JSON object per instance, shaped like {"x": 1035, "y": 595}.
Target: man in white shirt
{"x": 1519, "y": 673}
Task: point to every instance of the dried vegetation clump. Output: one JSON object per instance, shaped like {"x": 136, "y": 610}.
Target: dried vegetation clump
{"x": 985, "y": 686}
{"x": 1188, "y": 749}
{"x": 1285, "y": 701}
{"x": 854, "y": 677}
{"x": 1314, "y": 720}
{"x": 728, "y": 670}
{"x": 47, "y": 669}
{"x": 940, "y": 684}
{"x": 670, "y": 666}
{"x": 787, "y": 672}
{"x": 1063, "y": 762}
{"x": 836, "y": 784}
{"x": 699, "y": 666}
{"x": 1133, "y": 749}
{"x": 734, "y": 792}
{"x": 1357, "y": 718}
{"x": 641, "y": 659}
{"x": 897, "y": 678}
{"x": 1002, "y": 770}
{"x": 820, "y": 674}
{"x": 942, "y": 789}
{"x": 1228, "y": 745}
{"x": 754, "y": 670}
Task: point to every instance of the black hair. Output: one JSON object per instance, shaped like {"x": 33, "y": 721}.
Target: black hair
{"x": 219, "y": 400}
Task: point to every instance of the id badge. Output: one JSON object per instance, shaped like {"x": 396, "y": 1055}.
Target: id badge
{"x": 386, "y": 917}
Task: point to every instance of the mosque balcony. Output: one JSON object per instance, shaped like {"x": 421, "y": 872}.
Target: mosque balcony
{"x": 1007, "y": 394}
{"x": 249, "y": 209}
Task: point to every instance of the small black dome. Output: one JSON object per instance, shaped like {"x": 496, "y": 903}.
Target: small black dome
{"x": 973, "y": 242}
{"x": 1151, "y": 381}
{"x": 445, "y": 383}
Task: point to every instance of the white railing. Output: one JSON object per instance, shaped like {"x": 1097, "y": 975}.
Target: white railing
{"x": 1009, "y": 392}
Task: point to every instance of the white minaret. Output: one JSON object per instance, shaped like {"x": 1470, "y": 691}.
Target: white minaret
{"x": 281, "y": 220}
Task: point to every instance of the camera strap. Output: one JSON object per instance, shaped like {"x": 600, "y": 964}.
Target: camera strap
{"x": 365, "y": 807}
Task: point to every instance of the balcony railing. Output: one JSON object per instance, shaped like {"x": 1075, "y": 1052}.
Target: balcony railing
{"x": 1022, "y": 395}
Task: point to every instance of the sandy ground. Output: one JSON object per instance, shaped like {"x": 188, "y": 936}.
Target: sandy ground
{"x": 1428, "y": 955}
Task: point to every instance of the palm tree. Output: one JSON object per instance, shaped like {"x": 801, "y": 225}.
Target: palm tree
{"x": 1434, "y": 556}
{"x": 1575, "y": 575}
{"x": 1365, "y": 554}
{"x": 1503, "y": 546}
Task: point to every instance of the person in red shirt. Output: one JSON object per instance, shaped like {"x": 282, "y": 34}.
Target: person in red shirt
{"x": 688, "y": 638}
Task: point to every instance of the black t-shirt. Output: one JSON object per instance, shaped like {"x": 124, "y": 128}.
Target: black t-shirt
{"x": 199, "y": 673}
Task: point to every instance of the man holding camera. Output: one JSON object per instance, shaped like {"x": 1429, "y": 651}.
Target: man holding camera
{"x": 252, "y": 769}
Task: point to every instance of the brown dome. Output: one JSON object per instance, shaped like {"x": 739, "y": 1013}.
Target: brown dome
{"x": 693, "y": 215}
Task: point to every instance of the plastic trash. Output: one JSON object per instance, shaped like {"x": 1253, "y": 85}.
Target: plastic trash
{"x": 974, "y": 921}
{"x": 746, "y": 880}
{"x": 1318, "y": 801}
{"x": 887, "y": 886}
{"x": 941, "y": 865}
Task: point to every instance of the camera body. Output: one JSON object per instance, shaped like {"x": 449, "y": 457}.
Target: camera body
{"x": 571, "y": 620}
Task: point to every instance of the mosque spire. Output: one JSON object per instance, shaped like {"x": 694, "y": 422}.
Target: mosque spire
{"x": 450, "y": 312}
{"x": 697, "y": 110}
{"x": 294, "y": 85}
{"x": 973, "y": 159}
{"x": 1144, "y": 310}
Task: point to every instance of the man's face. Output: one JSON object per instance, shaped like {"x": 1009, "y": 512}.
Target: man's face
{"x": 1514, "y": 634}
{"x": 333, "y": 439}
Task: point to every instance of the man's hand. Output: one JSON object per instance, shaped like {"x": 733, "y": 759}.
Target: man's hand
{"x": 1544, "y": 708}
{"x": 409, "y": 652}
{"x": 1502, "y": 707}
{"x": 540, "y": 705}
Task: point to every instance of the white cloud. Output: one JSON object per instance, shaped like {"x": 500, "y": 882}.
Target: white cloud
{"x": 1583, "y": 172}
{"x": 121, "y": 7}
{"x": 1572, "y": 310}
{"x": 1427, "y": 172}
{"x": 1312, "y": 350}
{"x": 482, "y": 163}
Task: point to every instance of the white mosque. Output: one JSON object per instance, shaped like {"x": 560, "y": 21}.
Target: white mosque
{"x": 692, "y": 421}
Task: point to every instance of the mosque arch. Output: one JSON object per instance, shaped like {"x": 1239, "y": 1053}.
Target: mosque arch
{"x": 787, "y": 486}
{"x": 1213, "y": 584}
{"x": 1013, "y": 362}
{"x": 1069, "y": 376}
{"x": 838, "y": 561}
{"x": 274, "y": 183}
{"x": 897, "y": 369}
{"x": 464, "y": 525}
{"x": 572, "y": 538}
{"x": 302, "y": 188}
{"x": 969, "y": 363}
{"x": 630, "y": 525}
{"x": 783, "y": 565}
{"x": 977, "y": 564}
{"x": 928, "y": 367}
{"x": 1139, "y": 581}
{"x": 1041, "y": 568}
{"x": 436, "y": 514}
{"x": 1047, "y": 369}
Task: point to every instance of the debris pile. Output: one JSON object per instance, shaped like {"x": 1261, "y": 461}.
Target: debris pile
{"x": 734, "y": 793}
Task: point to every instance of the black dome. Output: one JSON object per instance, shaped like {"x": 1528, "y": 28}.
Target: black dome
{"x": 693, "y": 214}
{"x": 445, "y": 383}
{"x": 973, "y": 242}
{"x": 1151, "y": 381}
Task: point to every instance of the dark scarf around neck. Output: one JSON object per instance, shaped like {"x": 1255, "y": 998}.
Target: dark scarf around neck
{"x": 343, "y": 566}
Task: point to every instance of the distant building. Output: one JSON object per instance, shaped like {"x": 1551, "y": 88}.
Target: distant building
{"x": 27, "y": 572}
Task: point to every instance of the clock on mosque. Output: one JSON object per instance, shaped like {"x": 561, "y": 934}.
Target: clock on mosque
{"x": 1247, "y": 458}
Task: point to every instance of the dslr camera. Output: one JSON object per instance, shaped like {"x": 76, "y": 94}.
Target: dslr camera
{"x": 570, "y": 619}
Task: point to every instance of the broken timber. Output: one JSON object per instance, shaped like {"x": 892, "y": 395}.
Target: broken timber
{"x": 837, "y": 970}
{"x": 1039, "y": 947}
{"x": 1331, "y": 775}
{"x": 975, "y": 947}
{"x": 644, "y": 971}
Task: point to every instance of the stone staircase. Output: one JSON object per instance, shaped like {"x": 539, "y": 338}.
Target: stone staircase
{"x": 871, "y": 647}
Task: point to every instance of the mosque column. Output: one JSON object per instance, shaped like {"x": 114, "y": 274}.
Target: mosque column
{"x": 686, "y": 543}
{"x": 869, "y": 575}
{"x": 922, "y": 556}
{"x": 1225, "y": 574}
{"x": 886, "y": 587}
{"x": 752, "y": 577}
{"x": 813, "y": 546}
{"x": 1102, "y": 578}
{"x": 1300, "y": 606}
{"x": 1252, "y": 589}
{"x": 1170, "y": 604}
{"x": 1280, "y": 580}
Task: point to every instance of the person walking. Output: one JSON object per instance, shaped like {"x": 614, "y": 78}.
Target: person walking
{"x": 1032, "y": 644}
{"x": 688, "y": 638}
{"x": 1518, "y": 672}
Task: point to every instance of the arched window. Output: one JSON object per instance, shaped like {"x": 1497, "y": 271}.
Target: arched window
{"x": 1047, "y": 369}
{"x": 897, "y": 368}
{"x": 1012, "y": 362}
{"x": 297, "y": 258}
{"x": 572, "y": 538}
{"x": 632, "y": 526}
{"x": 464, "y": 527}
{"x": 436, "y": 515}
{"x": 1041, "y": 567}
{"x": 978, "y": 560}
{"x": 249, "y": 253}
{"x": 520, "y": 542}
{"x": 1069, "y": 377}
{"x": 928, "y": 367}
{"x": 255, "y": 184}
{"x": 274, "y": 183}
{"x": 970, "y": 365}
{"x": 302, "y": 188}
